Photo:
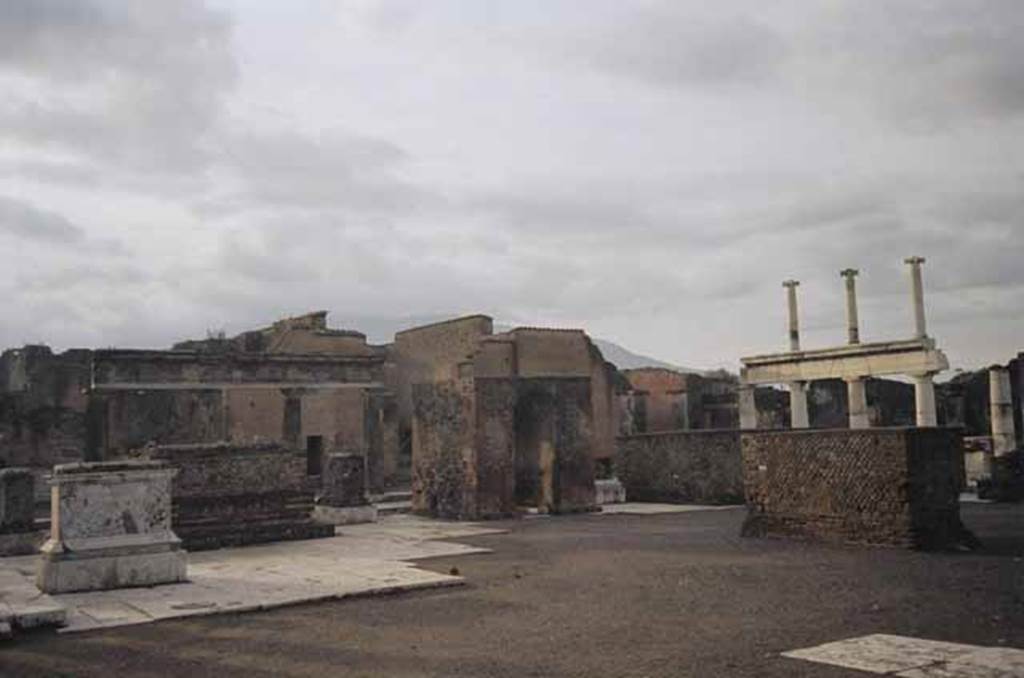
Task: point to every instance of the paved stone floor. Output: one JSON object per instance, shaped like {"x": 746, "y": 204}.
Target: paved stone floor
{"x": 361, "y": 560}
{"x": 677, "y": 594}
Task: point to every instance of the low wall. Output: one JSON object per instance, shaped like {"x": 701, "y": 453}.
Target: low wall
{"x": 896, "y": 486}
{"x": 681, "y": 467}
{"x": 232, "y": 495}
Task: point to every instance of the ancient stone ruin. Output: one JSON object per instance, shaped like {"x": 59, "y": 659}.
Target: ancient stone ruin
{"x": 111, "y": 528}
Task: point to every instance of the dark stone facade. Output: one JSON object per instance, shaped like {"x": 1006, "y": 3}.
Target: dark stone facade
{"x": 488, "y": 446}
{"x": 17, "y": 500}
{"x": 893, "y": 486}
{"x": 232, "y": 495}
{"x": 682, "y": 467}
{"x": 343, "y": 481}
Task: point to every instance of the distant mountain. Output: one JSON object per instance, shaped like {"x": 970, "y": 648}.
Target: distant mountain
{"x": 625, "y": 359}
{"x": 381, "y": 330}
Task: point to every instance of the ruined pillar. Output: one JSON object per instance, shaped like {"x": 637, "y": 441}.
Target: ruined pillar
{"x": 924, "y": 400}
{"x": 917, "y": 293}
{"x": 852, "y": 329}
{"x": 1001, "y": 411}
{"x": 794, "y": 323}
{"x": 748, "y": 407}
{"x": 858, "y": 400}
{"x": 798, "y": 405}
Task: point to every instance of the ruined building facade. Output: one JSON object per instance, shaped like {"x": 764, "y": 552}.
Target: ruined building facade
{"x": 545, "y": 398}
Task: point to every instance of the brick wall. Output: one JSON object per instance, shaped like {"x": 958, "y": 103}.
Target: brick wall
{"x": 230, "y": 495}
{"x": 897, "y": 486}
{"x": 684, "y": 467}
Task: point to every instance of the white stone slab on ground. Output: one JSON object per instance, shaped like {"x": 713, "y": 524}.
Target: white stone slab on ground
{"x": 644, "y": 508}
{"x": 916, "y": 657}
{"x": 360, "y": 560}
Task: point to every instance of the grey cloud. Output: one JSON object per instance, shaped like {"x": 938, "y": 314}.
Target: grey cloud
{"x": 335, "y": 169}
{"x": 670, "y": 44}
{"x": 61, "y": 279}
{"x": 919, "y": 63}
{"x": 23, "y": 220}
{"x": 128, "y": 85}
{"x": 933, "y": 62}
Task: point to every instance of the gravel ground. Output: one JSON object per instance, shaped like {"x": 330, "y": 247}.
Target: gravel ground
{"x": 668, "y": 595}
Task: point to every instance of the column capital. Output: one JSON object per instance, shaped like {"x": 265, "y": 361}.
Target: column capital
{"x": 849, "y": 273}
{"x": 790, "y": 283}
{"x": 914, "y": 261}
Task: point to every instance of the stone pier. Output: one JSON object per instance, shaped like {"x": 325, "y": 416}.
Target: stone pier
{"x": 111, "y": 528}
{"x": 18, "y": 535}
{"x": 343, "y": 500}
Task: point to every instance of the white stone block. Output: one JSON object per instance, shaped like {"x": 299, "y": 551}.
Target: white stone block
{"x": 111, "y": 528}
{"x": 609, "y": 491}
{"x": 345, "y": 515}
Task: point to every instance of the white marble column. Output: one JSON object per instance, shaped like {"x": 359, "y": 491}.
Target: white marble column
{"x": 924, "y": 400}
{"x": 794, "y": 322}
{"x": 748, "y": 407}
{"x": 852, "y": 324}
{"x": 858, "y": 401}
{"x": 1001, "y": 411}
{"x": 917, "y": 293}
{"x": 798, "y": 405}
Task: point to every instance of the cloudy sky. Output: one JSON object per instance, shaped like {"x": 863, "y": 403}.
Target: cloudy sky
{"x": 648, "y": 170}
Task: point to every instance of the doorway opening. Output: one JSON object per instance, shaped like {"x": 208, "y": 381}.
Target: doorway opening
{"x": 535, "y": 452}
{"x": 314, "y": 455}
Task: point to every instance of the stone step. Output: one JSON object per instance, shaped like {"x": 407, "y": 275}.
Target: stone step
{"x": 387, "y": 508}
{"x": 391, "y": 496}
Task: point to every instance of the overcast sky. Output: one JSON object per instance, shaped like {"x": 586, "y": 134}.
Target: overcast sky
{"x": 650, "y": 171}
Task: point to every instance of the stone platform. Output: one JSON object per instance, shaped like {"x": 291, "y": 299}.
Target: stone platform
{"x": 361, "y": 560}
{"x": 232, "y": 495}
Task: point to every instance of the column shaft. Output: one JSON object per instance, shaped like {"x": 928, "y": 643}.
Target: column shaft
{"x": 798, "y": 405}
{"x": 748, "y": 407}
{"x": 858, "y": 400}
{"x": 924, "y": 400}
{"x": 1001, "y": 411}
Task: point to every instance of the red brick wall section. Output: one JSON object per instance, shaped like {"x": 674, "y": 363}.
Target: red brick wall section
{"x": 893, "y": 486}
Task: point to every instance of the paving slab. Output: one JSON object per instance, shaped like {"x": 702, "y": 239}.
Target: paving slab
{"x": 645, "y": 508}
{"x": 359, "y": 560}
{"x": 916, "y": 657}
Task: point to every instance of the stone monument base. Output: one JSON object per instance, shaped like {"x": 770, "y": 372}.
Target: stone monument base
{"x": 113, "y": 566}
{"x": 345, "y": 515}
{"x": 609, "y": 491}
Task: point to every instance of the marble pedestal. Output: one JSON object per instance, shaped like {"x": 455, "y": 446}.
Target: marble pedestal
{"x": 110, "y": 528}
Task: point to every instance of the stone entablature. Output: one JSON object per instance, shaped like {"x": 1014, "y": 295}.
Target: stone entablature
{"x": 110, "y": 528}
{"x": 917, "y": 357}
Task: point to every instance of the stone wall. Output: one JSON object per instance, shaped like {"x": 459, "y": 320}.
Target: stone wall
{"x": 432, "y": 353}
{"x": 443, "y": 472}
{"x": 472, "y": 456}
{"x": 43, "y": 406}
{"x": 231, "y": 495}
{"x": 681, "y": 467}
{"x": 896, "y": 486}
{"x": 118, "y": 366}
